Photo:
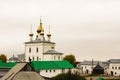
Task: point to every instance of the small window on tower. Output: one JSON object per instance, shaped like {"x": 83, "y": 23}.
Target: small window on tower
{"x": 29, "y": 50}
{"x": 119, "y": 67}
{"x": 52, "y": 47}
{"x": 112, "y": 67}
{"x": 37, "y": 50}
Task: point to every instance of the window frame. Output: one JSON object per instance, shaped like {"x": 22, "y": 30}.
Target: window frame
{"x": 37, "y": 50}
{"x": 30, "y": 50}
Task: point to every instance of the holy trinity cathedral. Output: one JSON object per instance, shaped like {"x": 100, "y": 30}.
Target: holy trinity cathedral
{"x": 41, "y": 49}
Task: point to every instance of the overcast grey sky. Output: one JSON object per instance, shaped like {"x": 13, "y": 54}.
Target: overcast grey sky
{"x": 86, "y": 28}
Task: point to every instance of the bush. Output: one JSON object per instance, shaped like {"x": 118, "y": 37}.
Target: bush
{"x": 67, "y": 76}
{"x": 3, "y": 58}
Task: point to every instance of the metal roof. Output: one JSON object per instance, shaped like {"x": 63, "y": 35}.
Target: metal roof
{"x": 7, "y": 64}
{"x": 114, "y": 61}
{"x": 52, "y": 52}
{"x": 38, "y": 41}
{"x": 28, "y": 75}
{"x": 45, "y": 65}
{"x": 13, "y": 58}
{"x": 88, "y": 63}
{"x": 12, "y": 72}
{"x": 94, "y": 63}
{"x": 98, "y": 67}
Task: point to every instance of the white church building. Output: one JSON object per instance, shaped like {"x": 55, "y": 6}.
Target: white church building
{"x": 41, "y": 49}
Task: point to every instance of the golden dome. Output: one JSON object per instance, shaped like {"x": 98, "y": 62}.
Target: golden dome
{"x": 42, "y": 32}
{"x": 31, "y": 34}
{"x": 48, "y": 34}
{"x": 39, "y": 29}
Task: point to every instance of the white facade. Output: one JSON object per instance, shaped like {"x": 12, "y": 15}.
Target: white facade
{"x": 114, "y": 67}
{"x": 50, "y": 73}
{"x": 86, "y": 67}
{"x": 111, "y": 67}
{"x": 52, "y": 57}
{"x": 53, "y": 72}
{"x": 35, "y": 49}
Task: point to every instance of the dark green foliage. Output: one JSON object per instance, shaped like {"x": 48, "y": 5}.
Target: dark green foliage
{"x": 70, "y": 58}
{"x": 93, "y": 75}
{"x": 3, "y": 58}
{"x": 67, "y": 76}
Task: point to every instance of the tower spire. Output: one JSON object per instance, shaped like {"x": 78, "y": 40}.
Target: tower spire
{"x": 49, "y": 29}
{"x": 31, "y": 34}
{"x": 40, "y": 26}
{"x": 40, "y": 22}
{"x": 49, "y": 34}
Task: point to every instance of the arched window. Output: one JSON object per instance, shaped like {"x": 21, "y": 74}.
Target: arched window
{"x": 112, "y": 67}
{"x": 52, "y": 47}
{"x": 36, "y": 50}
{"x": 119, "y": 67}
{"x": 29, "y": 50}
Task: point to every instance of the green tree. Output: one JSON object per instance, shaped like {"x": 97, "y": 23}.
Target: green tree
{"x": 70, "y": 58}
{"x": 67, "y": 76}
{"x": 3, "y": 58}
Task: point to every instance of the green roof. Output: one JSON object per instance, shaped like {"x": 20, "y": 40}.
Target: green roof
{"x": 45, "y": 65}
{"x": 6, "y": 64}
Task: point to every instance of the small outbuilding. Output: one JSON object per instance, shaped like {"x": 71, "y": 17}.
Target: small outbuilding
{"x": 98, "y": 69}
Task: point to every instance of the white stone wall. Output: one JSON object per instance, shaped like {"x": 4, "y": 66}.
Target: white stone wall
{"x": 52, "y": 72}
{"x": 48, "y": 46}
{"x": 114, "y": 69}
{"x": 47, "y": 57}
{"x": 86, "y": 69}
{"x": 52, "y": 57}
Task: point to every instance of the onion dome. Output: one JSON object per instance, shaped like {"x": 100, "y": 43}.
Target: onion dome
{"x": 48, "y": 34}
{"x": 40, "y": 27}
{"x": 42, "y": 32}
{"x": 31, "y": 34}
